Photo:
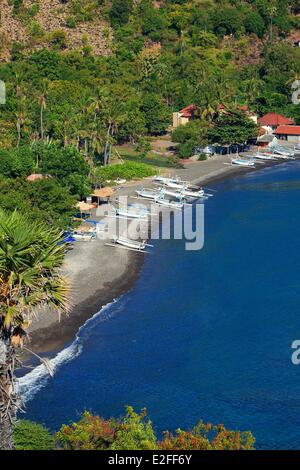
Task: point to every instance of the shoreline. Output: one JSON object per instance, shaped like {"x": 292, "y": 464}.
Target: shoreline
{"x": 111, "y": 273}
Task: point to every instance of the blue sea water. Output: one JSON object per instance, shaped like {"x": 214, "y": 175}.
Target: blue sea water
{"x": 201, "y": 335}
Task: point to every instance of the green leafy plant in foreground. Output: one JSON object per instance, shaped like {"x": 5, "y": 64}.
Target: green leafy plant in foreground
{"x": 135, "y": 431}
{"x": 32, "y": 436}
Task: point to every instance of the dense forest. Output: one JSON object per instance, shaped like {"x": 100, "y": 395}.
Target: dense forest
{"x": 85, "y": 75}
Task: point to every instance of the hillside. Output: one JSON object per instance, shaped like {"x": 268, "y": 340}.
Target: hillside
{"x": 52, "y": 23}
{"x": 86, "y": 78}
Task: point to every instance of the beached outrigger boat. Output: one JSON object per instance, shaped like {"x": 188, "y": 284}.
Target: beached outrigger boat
{"x": 172, "y": 184}
{"x": 189, "y": 193}
{"x": 184, "y": 193}
{"x": 83, "y": 237}
{"x": 261, "y": 156}
{"x": 131, "y": 214}
{"x": 284, "y": 154}
{"x": 170, "y": 204}
{"x": 148, "y": 193}
{"x": 243, "y": 162}
{"x": 128, "y": 244}
{"x": 164, "y": 180}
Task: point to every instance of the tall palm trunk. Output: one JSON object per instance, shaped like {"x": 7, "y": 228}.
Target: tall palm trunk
{"x": 42, "y": 123}
{"x": 106, "y": 151}
{"x": 19, "y": 133}
{"x": 8, "y": 396}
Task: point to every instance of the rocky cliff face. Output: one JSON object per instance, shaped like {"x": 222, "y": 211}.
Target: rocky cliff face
{"x": 50, "y": 23}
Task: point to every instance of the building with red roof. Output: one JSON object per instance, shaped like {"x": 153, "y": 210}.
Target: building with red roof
{"x": 271, "y": 121}
{"x": 289, "y": 133}
{"x": 184, "y": 115}
{"x": 189, "y": 112}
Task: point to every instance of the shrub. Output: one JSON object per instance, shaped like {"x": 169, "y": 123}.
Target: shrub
{"x": 120, "y": 11}
{"x": 16, "y": 162}
{"x": 58, "y": 39}
{"x": 127, "y": 170}
{"x": 70, "y": 22}
{"x": 32, "y": 436}
{"x": 135, "y": 431}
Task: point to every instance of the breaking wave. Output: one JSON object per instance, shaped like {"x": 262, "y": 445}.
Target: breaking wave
{"x": 30, "y": 384}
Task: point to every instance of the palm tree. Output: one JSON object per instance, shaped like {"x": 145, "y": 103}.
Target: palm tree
{"x": 30, "y": 257}
{"x": 42, "y": 100}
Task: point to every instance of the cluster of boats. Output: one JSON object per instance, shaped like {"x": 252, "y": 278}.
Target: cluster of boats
{"x": 172, "y": 192}
{"x": 276, "y": 152}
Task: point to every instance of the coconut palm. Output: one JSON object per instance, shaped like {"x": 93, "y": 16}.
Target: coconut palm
{"x": 42, "y": 100}
{"x": 30, "y": 258}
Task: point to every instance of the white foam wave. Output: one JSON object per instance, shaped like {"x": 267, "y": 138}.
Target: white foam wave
{"x": 31, "y": 383}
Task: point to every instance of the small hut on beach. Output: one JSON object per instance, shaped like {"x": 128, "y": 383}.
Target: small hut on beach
{"x": 84, "y": 208}
{"x": 104, "y": 193}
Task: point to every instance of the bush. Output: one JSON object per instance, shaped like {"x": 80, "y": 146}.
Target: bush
{"x": 58, "y": 39}
{"x": 120, "y": 11}
{"x": 135, "y": 431}
{"x": 186, "y": 150}
{"x": 127, "y": 170}
{"x": 16, "y": 162}
{"x": 32, "y": 436}
{"x": 70, "y": 22}
{"x": 156, "y": 113}
{"x": 60, "y": 162}
{"x": 255, "y": 24}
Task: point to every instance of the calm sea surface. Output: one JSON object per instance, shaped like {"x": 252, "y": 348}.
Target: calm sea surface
{"x": 202, "y": 335}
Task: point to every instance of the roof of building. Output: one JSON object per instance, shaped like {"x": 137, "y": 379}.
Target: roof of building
{"x": 189, "y": 111}
{"x": 35, "y": 177}
{"x": 272, "y": 119}
{"x": 288, "y": 130}
{"x": 266, "y": 138}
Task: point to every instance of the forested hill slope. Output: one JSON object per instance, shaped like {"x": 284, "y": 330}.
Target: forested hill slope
{"x": 131, "y": 63}
{"x": 83, "y": 76}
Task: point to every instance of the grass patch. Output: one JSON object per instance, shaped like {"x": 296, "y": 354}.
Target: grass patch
{"x": 128, "y": 170}
{"x": 152, "y": 158}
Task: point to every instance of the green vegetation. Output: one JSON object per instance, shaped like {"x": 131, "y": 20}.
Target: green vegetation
{"x": 127, "y": 170}
{"x": 68, "y": 108}
{"x": 134, "y": 431}
{"x": 32, "y": 436}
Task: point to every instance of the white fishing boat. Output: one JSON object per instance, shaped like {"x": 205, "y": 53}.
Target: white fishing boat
{"x": 83, "y": 237}
{"x": 246, "y": 162}
{"x": 164, "y": 180}
{"x": 148, "y": 193}
{"x": 284, "y": 154}
{"x": 189, "y": 193}
{"x": 175, "y": 184}
{"x": 131, "y": 213}
{"x": 261, "y": 156}
{"x": 128, "y": 244}
{"x": 161, "y": 201}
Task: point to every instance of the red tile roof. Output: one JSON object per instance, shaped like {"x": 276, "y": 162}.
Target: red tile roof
{"x": 35, "y": 177}
{"x": 273, "y": 119}
{"x": 188, "y": 112}
{"x": 288, "y": 130}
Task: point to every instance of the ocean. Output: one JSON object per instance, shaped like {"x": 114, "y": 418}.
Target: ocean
{"x": 202, "y": 335}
